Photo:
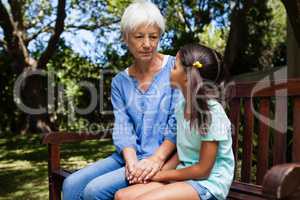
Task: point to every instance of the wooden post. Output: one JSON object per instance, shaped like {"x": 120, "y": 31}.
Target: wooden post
{"x": 296, "y": 133}
{"x": 53, "y": 164}
{"x": 293, "y": 53}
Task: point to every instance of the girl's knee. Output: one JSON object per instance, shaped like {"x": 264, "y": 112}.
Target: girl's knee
{"x": 123, "y": 194}
{"x": 119, "y": 195}
{"x": 141, "y": 197}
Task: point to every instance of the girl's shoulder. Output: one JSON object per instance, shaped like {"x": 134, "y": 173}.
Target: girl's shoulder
{"x": 215, "y": 106}
{"x": 220, "y": 127}
{"x": 179, "y": 106}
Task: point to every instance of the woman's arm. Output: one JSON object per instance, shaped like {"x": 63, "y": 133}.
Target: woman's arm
{"x": 123, "y": 135}
{"x": 164, "y": 151}
{"x": 131, "y": 160}
{"x": 200, "y": 170}
{"x": 150, "y": 166}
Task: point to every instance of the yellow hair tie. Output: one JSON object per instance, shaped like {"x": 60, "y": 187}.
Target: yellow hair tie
{"x": 197, "y": 64}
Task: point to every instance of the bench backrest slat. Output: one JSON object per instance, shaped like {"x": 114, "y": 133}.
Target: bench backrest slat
{"x": 296, "y": 127}
{"x": 235, "y": 120}
{"x": 263, "y": 141}
{"x": 247, "y": 146}
{"x": 261, "y": 135}
{"x": 280, "y": 132}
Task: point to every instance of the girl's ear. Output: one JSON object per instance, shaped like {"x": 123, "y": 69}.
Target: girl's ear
{"x": 185, "y": 78}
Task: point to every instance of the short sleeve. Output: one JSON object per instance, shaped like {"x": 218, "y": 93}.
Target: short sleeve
{"x": 220, "y": 127}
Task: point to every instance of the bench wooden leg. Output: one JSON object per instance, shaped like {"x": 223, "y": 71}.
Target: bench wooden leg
{"x": 54, "y": 164}
{"x": 54, "y": 188}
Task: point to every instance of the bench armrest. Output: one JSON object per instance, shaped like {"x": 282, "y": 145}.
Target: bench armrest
{"x": 67, "y": 137}
{"x": 282, "y": 180}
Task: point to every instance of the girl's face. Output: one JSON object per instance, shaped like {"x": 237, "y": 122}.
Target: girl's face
{"x": 178, "y": 75}
{"x": 143, "y": 42}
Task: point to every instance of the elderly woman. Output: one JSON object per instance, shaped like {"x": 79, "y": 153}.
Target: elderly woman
{"x": 143, "y": 102}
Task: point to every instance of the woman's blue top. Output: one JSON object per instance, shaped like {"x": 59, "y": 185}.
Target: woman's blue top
{"x": 144, "y": 119}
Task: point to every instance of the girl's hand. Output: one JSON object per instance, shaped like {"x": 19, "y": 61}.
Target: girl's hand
{"x": 156, "y": 177}
{"x": 171, "y": 163}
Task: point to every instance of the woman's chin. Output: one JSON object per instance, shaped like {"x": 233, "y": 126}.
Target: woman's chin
{"x": 145, "y": 58}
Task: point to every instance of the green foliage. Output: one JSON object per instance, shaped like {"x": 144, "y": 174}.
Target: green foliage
{"x": 187, "y": 21}
{"x": 70, "y": 69}
{"x": 214, "y": 38}
{"x": 266, "y": 37}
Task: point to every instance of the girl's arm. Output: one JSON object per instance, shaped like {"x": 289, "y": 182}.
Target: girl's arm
{"x": 171, "y": 163}
{"x": 201, "y": 170}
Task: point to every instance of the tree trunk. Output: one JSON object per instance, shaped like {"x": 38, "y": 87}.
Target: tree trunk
{"x": 34, "y": 95}
{"x": 293, "y": 12}
{"x": 293, "y": 54}
{"x": 34, "y": 91}
{"x": 238, "y": 38}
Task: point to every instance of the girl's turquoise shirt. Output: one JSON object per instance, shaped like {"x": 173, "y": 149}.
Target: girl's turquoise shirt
{"x": 189, "y": 144}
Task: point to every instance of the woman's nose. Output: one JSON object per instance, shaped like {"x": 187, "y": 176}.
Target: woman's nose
{"x": 146, "y": 42}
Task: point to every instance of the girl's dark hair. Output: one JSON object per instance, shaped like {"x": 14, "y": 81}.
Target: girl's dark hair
{"x": 203, "y": 83}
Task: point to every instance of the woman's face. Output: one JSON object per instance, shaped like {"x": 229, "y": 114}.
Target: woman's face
{"x": 143, "y": 42}
{"x": 178, "y": 75}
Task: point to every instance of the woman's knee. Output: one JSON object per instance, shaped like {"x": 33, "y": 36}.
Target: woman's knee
{"x": 70, "y": 182}
{"x": 98, "y": 190}
{"x": 90, "y": 192}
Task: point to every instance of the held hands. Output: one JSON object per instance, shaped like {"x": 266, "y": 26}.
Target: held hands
{"x": 143, "y": 170}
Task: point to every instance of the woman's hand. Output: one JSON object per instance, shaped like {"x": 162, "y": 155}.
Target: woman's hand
{"x": 130, "y": 168}
{"x": 146, "y": 169}
{"x": 131, "y": 161}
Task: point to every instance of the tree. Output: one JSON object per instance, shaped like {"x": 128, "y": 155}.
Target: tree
{"x": 246, "y": 32}
{"x": 293, "y": 11}
{"x": 29, "y": 22}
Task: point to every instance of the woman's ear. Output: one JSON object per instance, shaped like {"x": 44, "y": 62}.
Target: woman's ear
{"x": 125, "y": 37}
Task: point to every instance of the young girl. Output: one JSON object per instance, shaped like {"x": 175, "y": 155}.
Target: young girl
{"x": 204, "y": 161}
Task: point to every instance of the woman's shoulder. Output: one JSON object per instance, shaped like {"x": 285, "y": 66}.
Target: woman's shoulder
{"x": 170, "y": 60}
{"x": 120, "y": 76}
{"x": 120, "y": 79}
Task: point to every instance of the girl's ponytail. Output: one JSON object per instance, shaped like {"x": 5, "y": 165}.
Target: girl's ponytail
{"x": 205, "y": 74}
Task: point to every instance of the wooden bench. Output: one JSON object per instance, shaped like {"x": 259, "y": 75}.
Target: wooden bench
{"x": 267, "y": 153}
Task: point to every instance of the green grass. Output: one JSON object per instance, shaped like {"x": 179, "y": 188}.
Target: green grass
{"x": 23, "y": 164}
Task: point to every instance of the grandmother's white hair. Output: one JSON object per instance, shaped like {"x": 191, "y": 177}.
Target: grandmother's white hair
{"x": 141, "y": 12}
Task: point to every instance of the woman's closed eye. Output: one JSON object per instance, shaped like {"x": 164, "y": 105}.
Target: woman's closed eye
{"x": 139, "y": 36}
